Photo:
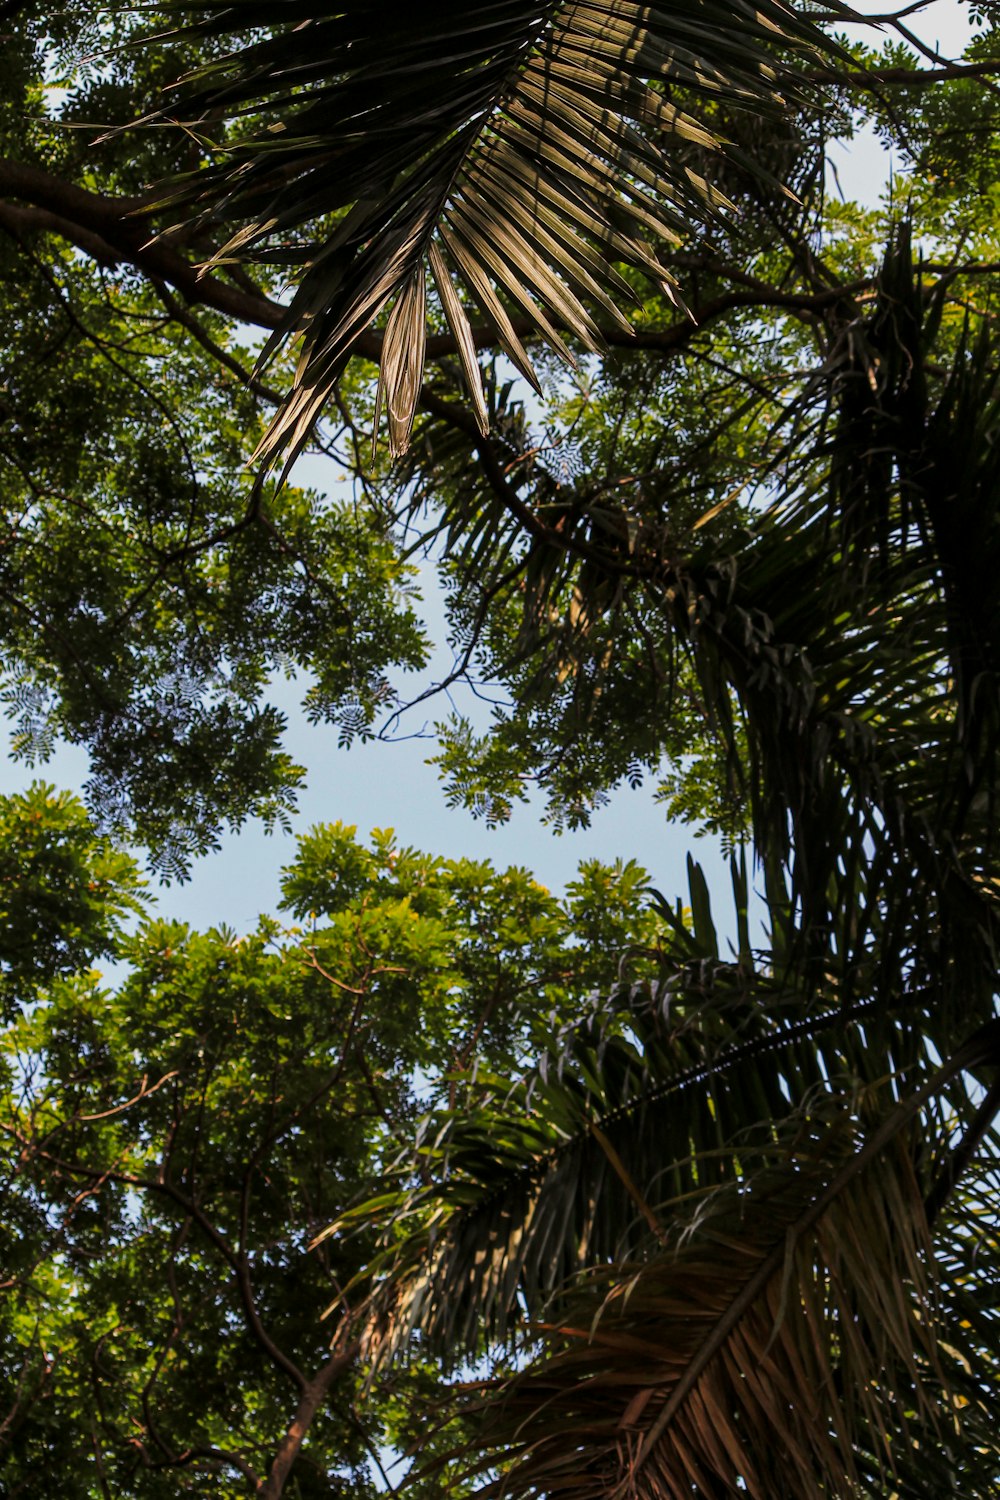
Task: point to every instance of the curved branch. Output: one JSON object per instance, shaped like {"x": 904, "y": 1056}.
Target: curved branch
{"x": 120, "y": 228}
{"x": 313, "y": 1397}
{"x": 19, "y": 222}
{"x": 117, "y": 230}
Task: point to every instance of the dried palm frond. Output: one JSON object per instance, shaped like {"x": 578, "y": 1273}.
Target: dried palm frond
{"x": 786, "y": 1345}
{"x": 792, "y": 1334}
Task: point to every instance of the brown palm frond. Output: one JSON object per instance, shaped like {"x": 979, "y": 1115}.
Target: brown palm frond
{"x": 760, "y": 1354}
{"x": 786, "y": 1342}
{"x": 522, "y": 150}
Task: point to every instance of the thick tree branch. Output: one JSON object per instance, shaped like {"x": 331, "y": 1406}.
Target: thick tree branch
{"x": 120, "y": 228}
{"x": 19, "y": 222}
{"x": 114, "y": 231}
{"x": 313, "y": 1397}
{"x": 909, "y": 77}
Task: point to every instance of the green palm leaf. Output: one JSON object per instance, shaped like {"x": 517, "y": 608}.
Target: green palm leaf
{"x": 522, "y": 1187}
{"x": 733, "y": 1233}
{"x": 524, "y": 151}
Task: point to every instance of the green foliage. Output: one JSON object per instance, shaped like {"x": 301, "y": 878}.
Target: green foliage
{"x": 151, "y": 590}
{"x": 65, "y": 893}
{"x": 748, "y": 554}
{"x": 175, "y": 1141}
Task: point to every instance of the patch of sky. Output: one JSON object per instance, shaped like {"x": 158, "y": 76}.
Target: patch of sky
{"x": 387, "y": 783}
{"x": 864, "y": 169}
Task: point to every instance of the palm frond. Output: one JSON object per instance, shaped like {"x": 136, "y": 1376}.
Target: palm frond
{"x": 535, "y": 148}
{"x": 844, "y": 645}
{"x": 517, "y": 1192}
{"x": 711, "y": 1205}
{"x": 790, "y": 1336}
{"x": 758, "y": 1355}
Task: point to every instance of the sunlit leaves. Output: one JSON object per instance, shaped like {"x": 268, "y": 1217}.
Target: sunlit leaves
{"x": 174, "y": 1141}
{"x": 65, "y": 892}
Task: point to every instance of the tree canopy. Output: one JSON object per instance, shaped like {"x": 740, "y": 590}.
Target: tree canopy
{"x": 175, "y": 1138}
{"x": 705, "y": 454}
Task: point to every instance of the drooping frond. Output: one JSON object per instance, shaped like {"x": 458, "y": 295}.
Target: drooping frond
{"x": 775, "y": 1320}
{"x": 522, "y": 152}
{"x": 786, "y": 1344}
{"x": 731, "y": 1233}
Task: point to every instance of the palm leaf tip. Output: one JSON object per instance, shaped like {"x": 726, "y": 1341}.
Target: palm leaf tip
{"x": 522, "y": 152}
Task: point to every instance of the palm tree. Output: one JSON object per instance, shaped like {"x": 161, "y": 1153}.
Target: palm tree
{"x": 740, "y": 1219}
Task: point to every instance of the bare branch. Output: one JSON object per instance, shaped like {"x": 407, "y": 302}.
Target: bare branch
{"x": 962, "y": 1156}
{"x": 121, "y": 226}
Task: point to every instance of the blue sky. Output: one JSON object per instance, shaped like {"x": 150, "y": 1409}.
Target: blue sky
{"x": 389, "y": 785}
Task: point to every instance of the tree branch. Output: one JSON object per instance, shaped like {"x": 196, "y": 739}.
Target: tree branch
{"x": 19, "y": 222}
{"x": 909, "y": 77}
{"x": 961, "y": 1157}
{"x": 237, "y": 1264}
{"x": 120, "y": 227}
{"x": 116, "y": 230}
{"x": 312, "y": 1399}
